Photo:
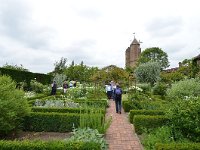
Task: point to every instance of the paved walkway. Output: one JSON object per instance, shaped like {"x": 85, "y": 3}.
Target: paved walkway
{"x": 121, "y": 134}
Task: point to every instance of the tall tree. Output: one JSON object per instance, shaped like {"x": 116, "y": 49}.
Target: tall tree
{"x": 154, "y": 54}
{"x": 60, "y": 65}
{"x": 148, "y": 72}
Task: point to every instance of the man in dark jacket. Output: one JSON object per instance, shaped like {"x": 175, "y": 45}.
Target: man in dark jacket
{"x": 118, "y": 99}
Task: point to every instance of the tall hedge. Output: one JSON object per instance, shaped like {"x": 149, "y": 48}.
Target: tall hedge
{"x": 21, "y": 76}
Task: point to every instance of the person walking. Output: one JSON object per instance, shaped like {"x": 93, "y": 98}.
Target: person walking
{"x": 53, "y": 88}
{"x": 118, "y": 99}
{"x": 65, "y": 86}
{"x": 109, "y": 91}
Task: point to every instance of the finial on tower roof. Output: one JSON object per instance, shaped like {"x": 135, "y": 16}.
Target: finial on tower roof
{"x": 134, "y": 35}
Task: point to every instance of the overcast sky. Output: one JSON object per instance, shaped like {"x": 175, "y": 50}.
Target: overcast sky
{"x": 37, "y": 33}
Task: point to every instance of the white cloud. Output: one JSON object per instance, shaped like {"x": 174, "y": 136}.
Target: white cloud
{"x": 38, "y": 33}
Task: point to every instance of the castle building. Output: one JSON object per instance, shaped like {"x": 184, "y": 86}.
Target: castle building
{"x": 132, "y": 53}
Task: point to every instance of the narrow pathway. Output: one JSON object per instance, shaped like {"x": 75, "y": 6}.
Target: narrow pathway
{"x": 121, "y": 134}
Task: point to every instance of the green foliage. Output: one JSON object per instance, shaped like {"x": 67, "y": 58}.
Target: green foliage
{"x": 189, "y": 68}
{"x": 178, "y": 146}
{"x": 60, "y": 66}
{"x": 145, "y": 123}
{"x": 15, "y": 67}
{"x": 160, "y": 135}
{"x": 143, "y": 104}
{"x": 88, "y": 135}
{"x": 185, "y": 115}
{"x": 154, "y": 54}
{"x": 109, "y": 73}
{"x": 36, "y": 86}
{"x": 26, "y": 77}
{"x": 160, "y": 89}
{"x": 51, "y": 145}
{"x": 92, "y": 119}
{"x": 64, "y": 110}
{"x": 128, "y": 105}
{"x": 51, "y": 122}
{"x": 13, "y": 105}
{"x": 59, "y": 78}
{"x": 185, "y": 88}
{"x": 146, "y": 88}
{"x": 171, "y": 77}
{"x": 80, "y": 72}
{"x": 148, "y": 72}
{"x": 144, "y": 112}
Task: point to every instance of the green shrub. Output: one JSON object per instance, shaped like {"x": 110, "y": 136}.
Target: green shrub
{"x": 92, "y": 119}
{"x": 146, "y": 104}
{"x": 160, "y": 89}
{"x": 13, "y": 105}
{"x": 88, "y": 135}
{"x": 144, "y": 112}
{"x": 159, "y": 135}
{"x": 36, "y": 86}
{"x": 146, "y": 88}
{"x": 185, "y": 88}
{"x": 23, "y": 76}
{"x": 148, "y": 72}
{"x": 144, "y": 123}
{"x": 128, "y": 105}
{"x": 55, "y": 122}
{"x": 178, "y": 146}
{"x": 64, "y": 110}
{"x": 185, "y": 116}
{"x": 51, "y": 145}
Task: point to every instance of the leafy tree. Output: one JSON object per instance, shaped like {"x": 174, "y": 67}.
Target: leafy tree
{"x": 13, "y": 106}
{"x": 188, "y": 68}
{"x": 15, "y": 67}
{"x": 148, "y": 72}
{"x": 60, "y": 66}
{"x": 154, "y": 54}
{"x": 109, "y": 73}
{"x": 79, "y": 72}
{"x": 171, "y": 77}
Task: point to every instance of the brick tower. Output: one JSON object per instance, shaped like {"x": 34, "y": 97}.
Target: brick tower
{"x": 132, "y": 53}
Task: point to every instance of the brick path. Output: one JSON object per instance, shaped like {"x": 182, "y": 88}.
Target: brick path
{"x": 121, "y": 135}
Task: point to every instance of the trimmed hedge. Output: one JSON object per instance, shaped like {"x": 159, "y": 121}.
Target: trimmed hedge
{"x": 143, "y": 122}
{"x": 94, "y": 103}
{"x": 144, "y": 112}
{"x": 144, "y": 104}
{"x": 64, "y": 110}
{"x": 128, "y": 105}
{"x": 51, "y": 145}
{"x": 55, "y": 122}
{"x": 178, "y": 146}
{"x": 21, "y": 76}
{"x": 39, "y": 96}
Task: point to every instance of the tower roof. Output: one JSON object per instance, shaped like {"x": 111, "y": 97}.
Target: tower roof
{"x": 135, "y": 42}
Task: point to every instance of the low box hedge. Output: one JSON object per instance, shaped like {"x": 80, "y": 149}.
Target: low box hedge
{"x": 51, "y": 145}
{"x": 178, "y": 146}
{"x": 148, "y": 122}
{"x": 54, "y": 122}
{"x": 39, "y": 96}
{"x": 144, "y": 112}
{"x": 143, "y": 104}
{"x": 65, "y": 110}
{"x": 128, "y": 105}
{"x": 58, "y": 122}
